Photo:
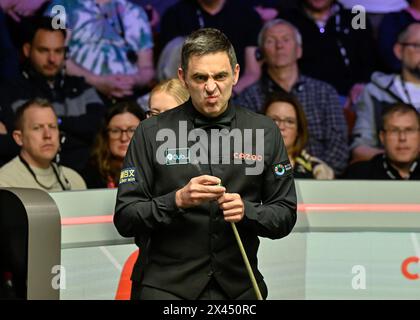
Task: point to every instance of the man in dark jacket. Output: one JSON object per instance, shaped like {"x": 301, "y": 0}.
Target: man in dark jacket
{"x": 170, "y": 198}
{"x": 77, "y": 105}
{"x": 400, "y": 136}
{"x": 333, "y": 50}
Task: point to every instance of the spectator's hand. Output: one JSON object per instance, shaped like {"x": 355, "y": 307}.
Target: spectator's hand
{"x": 113, "y": 85}
{"x": 232, "y": 206}
{"x": 3, "y": 129}
{"x": 126, "y": 81}
{"x": 199, "y": 190}
{"x": 266, "y": 14}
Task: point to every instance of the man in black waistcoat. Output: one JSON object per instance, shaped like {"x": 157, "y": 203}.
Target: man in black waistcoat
{"x": 191, "y": 171}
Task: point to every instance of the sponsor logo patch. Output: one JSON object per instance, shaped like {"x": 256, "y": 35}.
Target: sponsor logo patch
{"x": 248, "y": 156}
{"x": 128, "y": 175}
{"x": 177, "y": 156}
{"x": 282, "y": 169}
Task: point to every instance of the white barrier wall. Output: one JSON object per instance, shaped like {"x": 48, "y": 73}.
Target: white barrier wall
{"x": 353, "y": 240}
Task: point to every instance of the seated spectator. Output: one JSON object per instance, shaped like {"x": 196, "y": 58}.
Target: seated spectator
{"x": 333, "y": 51}
{"x": 14, "y": 22}
{"x": 104, "y": 167}
{"x": 167, "y": 95}
{"x": 391, "y": 26}
{"x": 400, "y": 136}
{"x": 78, "y": 106}
{"x": 385, "y": 90}
{"x": 110, "y": 44}
{"x": 237, "y": 19}
{"x": 281, "y": 47}
{"x": 288, "y": 114}
{"x": 38, "y": 136}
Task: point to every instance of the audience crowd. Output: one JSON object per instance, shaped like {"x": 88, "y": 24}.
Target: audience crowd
{"x": 343, "y": 86}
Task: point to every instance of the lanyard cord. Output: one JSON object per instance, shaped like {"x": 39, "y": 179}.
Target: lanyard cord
{"x": 200, "y": 18}
{"x": 406, "y": 90}
{"x": 36, "y": 179}
{"x": 391, "y": 175}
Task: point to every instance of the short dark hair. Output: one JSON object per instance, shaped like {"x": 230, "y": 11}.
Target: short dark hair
{"x": 302, "y": 123}
{"x": 41, "y": 23}
{"x": 205, "y": 41}
{"x": 20, "y": 111}
{"x": 400, "y": 107}
{"x": 124, "y": 106}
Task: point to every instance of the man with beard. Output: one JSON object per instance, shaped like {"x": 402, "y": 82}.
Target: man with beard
{"x": 384, "y": 90}
{"x": 77, "y": 105}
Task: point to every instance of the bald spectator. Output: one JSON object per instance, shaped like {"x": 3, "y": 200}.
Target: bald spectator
{"x": 384, "y": 90}
{"x": 391, "y": 26}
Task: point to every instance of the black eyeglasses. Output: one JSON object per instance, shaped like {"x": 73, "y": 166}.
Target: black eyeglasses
{"x": 396, "y": 132}
{"x": 116, "y": 133}
{"x": 415, "y": 46}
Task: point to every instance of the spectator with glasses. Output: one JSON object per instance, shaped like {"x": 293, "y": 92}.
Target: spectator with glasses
{"x": 120, "y": 123}
{"x": 400, "y": 136}
{"x": 166, "y": 95}
{"x": 391, "y": 26}
{"x": 289, "y": 116}
{"x": 385, "y": 90}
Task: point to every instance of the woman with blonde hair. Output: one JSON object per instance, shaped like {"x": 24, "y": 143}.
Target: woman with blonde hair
{"x": 166, "y": 95}
{"x": 120, "y": 123}
{"x": 289, "y": 116}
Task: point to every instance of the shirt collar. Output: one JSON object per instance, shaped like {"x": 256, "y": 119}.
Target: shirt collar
{"x": 201, "y": 121}
{"x": 272, "y": 86}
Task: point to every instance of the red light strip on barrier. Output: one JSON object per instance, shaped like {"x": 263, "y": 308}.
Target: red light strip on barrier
{"x": 86, "y": 220}
{"x": 358, "y": 207}
{"x": 306, "y": 208}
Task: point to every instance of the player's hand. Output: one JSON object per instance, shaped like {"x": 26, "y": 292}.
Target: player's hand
{"x": 199, "y": 190}
{"x": 232, "y": 206}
